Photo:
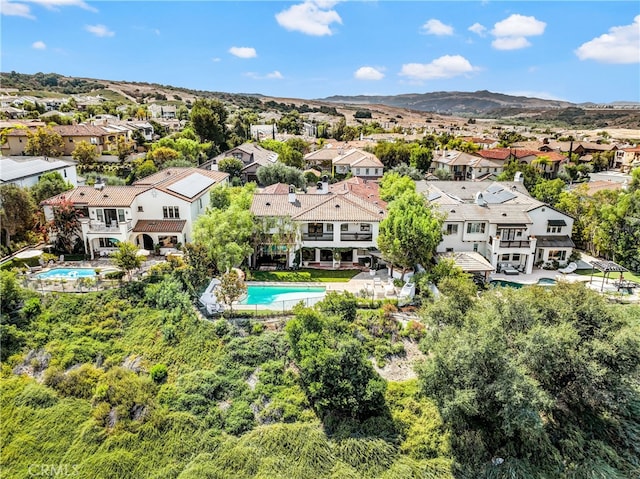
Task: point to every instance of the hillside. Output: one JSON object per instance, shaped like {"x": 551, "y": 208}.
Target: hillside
{"x": 451, "y": 109}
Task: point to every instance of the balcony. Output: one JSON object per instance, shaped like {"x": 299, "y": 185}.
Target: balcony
{"x": 317, "y": 236}
{"x": 515, "y": 244}
{"x": 97, "y": 227}
{"x": 356, "y": 237}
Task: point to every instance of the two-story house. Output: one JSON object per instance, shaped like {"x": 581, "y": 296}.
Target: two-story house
{"x": 501, "y": 222}
{"x": 253, "y": 156}
{"x": 334, "y": 227}
{"x": 627, "y": 158}
{"x": 358, "y": 163}
{"x": 156, "y": 211}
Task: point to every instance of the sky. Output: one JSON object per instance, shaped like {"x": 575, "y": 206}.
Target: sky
{"x": 578, "y": 51}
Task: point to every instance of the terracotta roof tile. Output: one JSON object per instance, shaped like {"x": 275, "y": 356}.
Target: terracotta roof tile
{"x": 159, "y": 226}
{"x": 90, "y": 196}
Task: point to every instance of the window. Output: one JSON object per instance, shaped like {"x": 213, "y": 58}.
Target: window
{"x": 365, "y": 227}
{"x": 366, "y": 171}
{"x": 475, "y": 228}
{"x": 108, "y": 242}
{"x": 167, "y": 241}
{"x": 504, "y": 257}
{"x": 70, "y": 140}
{"x": 475, "y": 247}
{"x": 515, "y": 257}
{"x": 120, "y": 216}
{"x": 170, "y": 212}
{"x": 140, "y": 210}
{"x": 452, "y": 229}
{"x": 449, "y": 250}
{"x": 558, "y": 255}
{"x": 344, "y": 227}
{"x": 65, "y": 173}
{"x": 554, "y": 229}
{"x": 315, "y": 228}
{"x": 100, "y": 216}
{"x": 330, "y": 227}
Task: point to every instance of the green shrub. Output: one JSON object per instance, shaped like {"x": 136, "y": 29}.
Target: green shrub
{"x": 36, "y": 396}
{"x": 158, "y": 373}
{"x": 114, "y": 275}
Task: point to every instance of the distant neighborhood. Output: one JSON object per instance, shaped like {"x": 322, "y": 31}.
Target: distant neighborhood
{"x": 144, "y": 173}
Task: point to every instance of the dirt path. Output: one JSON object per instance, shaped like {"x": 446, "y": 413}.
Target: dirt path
{"x": 401, "y": 368}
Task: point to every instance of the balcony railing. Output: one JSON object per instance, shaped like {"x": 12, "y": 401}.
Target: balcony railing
{"x": 317, "y": 236}
{"x": 356, "y": 237}
{"x": 515, "y": 244}
{"x": 95, "y": 227}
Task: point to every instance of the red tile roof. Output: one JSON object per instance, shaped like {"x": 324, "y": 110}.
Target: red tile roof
{"x": 159, "y": 226}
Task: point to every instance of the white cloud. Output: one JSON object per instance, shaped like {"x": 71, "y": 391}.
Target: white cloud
{"x": 368, "y": 73}
{"x": 274, "y": 75}
{"x": 156, "y": 31}
{"x": 436, "y": 27}
{"x": 313, "y": 17}
{"x": 535, "y": 94}
{"x": 243, "y": 52}
{"x": 216, "y": 59}
{"x": 512, "y": 32}
{"x": 447, "y": 66}
{"x": 478, "y": 29}
{"x": 54, "y": 4}
{"x": 15, "y": 10}
{"x": 99, "y": 30}
{"x": 39, "y": 45}
{"x": 510, "y": 43}
{"x": 620, "y": 45}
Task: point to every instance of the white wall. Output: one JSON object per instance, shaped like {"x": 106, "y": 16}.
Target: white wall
{"x": 541, "y": 215}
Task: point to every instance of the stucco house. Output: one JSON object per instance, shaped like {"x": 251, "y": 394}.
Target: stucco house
{"x": 156, "y": 211}
{"x": 500, "y": 221}
{"x": 25, "y": 171}
{"x": 334, "y": 226}
{"x": 252, "y": 156}
{"x": 358, "y": 163}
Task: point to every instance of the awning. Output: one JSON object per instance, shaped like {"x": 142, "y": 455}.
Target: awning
{"x": 159, "y": 226}
{"x": 511, "y": 225}
{"x": 557, "y": 223}
{"x": 554, "y": 242}
{"x": 468, "y": 261}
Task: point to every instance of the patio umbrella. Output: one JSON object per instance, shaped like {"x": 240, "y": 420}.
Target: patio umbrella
{"x": 29, "y": 253}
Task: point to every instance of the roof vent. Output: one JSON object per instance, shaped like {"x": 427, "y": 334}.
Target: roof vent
{"x": 82, "y": 193}
{"x": 268, "y": 204}
{"x": 452, "y": 211}
{"x": 105, "y": 196}
{"x": 504, "y": 214}
{"x": 337, "y": 206}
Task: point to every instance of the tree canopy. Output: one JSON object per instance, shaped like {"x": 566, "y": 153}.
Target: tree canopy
{"x": 411, "y": 231}
{"x": 209, "y": 121}
{"x": 44, "y": 142}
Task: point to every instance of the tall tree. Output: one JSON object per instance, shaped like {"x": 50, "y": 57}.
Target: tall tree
{"x": 66, "y": 227}
{"x": 231, "y": 288}
{"x": 50, "y": 184}
{"x": 231, "y": 165}
{"x": 44, "y": 142}
{"x": 209, "y": 120}
{"x": 85, "y": 153}
{"x": 411, "y": 231}
{"x": 280, "y": 173}
{"x": 126, "y": 257}
{"x": 393, "y": 185}
{"x": 17, "y": 212}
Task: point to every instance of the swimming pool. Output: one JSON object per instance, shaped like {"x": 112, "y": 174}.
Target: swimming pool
{"x": 67, "y": 273}
{"x": 512, "y": 284}
{"x": 282, "y": 296}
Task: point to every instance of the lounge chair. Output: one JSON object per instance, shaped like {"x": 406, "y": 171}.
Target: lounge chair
{"x": 570, "y": 268}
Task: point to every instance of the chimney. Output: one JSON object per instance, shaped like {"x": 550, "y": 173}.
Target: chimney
{"x": 480, "y": 201}
{"x": 518, "y": 177}
{"x": 292, "y": 194}
{"x": 99, "y": 184}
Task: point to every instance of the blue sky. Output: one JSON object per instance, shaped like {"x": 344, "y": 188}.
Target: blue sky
{"x": 574, "y": 51}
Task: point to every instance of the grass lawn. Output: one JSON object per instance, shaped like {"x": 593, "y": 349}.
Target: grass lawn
{"x": 302, "y": 275}
{"x": 629, "y": 276}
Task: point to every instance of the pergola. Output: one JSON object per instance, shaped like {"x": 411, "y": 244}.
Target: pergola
{"x": 606, "y": 267}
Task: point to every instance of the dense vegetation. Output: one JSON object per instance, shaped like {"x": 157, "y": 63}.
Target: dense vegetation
{"x": 132, "y": 383}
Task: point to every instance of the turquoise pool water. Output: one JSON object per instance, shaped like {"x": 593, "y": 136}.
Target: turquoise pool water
{"x": 276, "y": 295}
{"x": 512, "y": 284}
{"x": 67, "y": 273}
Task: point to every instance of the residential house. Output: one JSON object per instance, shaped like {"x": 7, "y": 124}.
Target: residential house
{"x": 501, "y": 222}
{"x": 252, "y": 156}
{"x": 156, "y": 211}
{"x": 167, "y": 112}
{"x": 322, "y": 158}
{"x": 25, "y": 171}
{"x": 358, "y": 163}
{"x": 264, "y": 132}
{"x": 71, "y": 136}
{"x": 334, "y": 227}
{"x": 627, "y": 159}
{"x": 12, "y": 112}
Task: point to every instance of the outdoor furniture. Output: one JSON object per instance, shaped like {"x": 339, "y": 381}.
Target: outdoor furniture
{"x": 510, "y": 270}
{"x": 570, "y": 268}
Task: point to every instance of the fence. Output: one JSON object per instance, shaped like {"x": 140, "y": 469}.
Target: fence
{"x": 279, "y": 306}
